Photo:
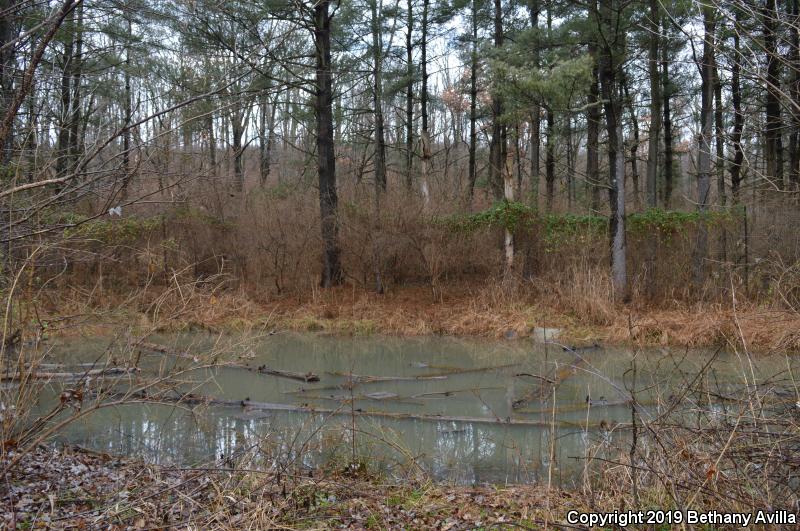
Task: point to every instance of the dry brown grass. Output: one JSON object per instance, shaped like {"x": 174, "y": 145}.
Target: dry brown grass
{"x": 253, "y": 261}
{"x": 459, "y": 309}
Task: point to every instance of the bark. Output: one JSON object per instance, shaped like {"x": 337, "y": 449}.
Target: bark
{"x": 593, "y": 134}
{"x": 794, "y": 61}
{"x": 772, "y": 132}
{"x": 706, "y": 68}
{"x": 380, "y": 145}
{"x": 536, "y": 120}
{"x": 7, "y": 61}
{"x": 497, "y": 149}
{"x": 473, "y": 101}
{"x": 634, "y": 143}
{"x": 75, "y": 144}
{"x": 719, "y": 135}
{"x": 377, "y": 99}
{"x": 616, "y": 157}
{"x": 570, "y": 162}
{"x": 653, "y": 142}
{"x": 212, "y": 140}
{"x": 667, "y": 96}
{"x": 410, "y": 98}
{"x": 237, "y": 131}
{"x": 65, "y": 114}
{"x": 655, "y": 106}
{"x": 550, "y": 160}
{"x": 266, "y": 135}
{"x": 425, "y": 136}
{"x": 326, "y": 161}
{"x": 738, "y": 116}
{"x": 128, "y": 110}
{"x": 508, "y": 195}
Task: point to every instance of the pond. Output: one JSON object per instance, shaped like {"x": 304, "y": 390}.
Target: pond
{"x": 464, "y": 411}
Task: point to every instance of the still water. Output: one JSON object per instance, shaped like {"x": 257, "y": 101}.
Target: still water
{"x": 503, "y": 393}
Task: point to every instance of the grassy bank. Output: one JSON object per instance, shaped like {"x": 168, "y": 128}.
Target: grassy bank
{"x": 458, "y": 310}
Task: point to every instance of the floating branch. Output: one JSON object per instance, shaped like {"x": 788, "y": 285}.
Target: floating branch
{"x": 449, "y": 371}
{"x": 362, "y": 379}
{"x": 553, "y": 380}
{"x": 456, "y": 391}
{"x": 263, "y": 369}
{"x": 68, "y": 375}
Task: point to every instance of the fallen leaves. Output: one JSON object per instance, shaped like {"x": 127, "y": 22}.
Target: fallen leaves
{"x": 75, "y": 489}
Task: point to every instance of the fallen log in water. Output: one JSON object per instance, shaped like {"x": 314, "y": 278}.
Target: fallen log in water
{"x": 300, "y": 377}
{"x": 67, "y": 375}
{"x": 452, "y": 392}
{"x": 380, "y": 396}
{"x": 362, "y": 379}
{"x": 263, "y": 369}
{"x": 571, "y": 408}
{"x": 269, "y": 406}
{"x": 450, "y": 371}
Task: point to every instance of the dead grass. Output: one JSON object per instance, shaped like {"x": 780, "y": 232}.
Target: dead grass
{"x": 457, "y": 310}
{"x": 119, "y": 493}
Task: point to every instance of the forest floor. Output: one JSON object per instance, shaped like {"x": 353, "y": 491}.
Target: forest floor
{"x": 73, "y": 488}
{"x": 416, "y": 311}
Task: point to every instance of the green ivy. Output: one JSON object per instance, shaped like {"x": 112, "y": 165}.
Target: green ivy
{"x": 506, "y": 214}
{"x": 561, "y": 229}
{"x": 669, "y": 222}
{"x": 116, "y": 232}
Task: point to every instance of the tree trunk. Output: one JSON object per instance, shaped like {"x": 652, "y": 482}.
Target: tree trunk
{"x": 593, "y": 134}
{"x": 719, "y": 135}
{"x": 508, "y": 195}
{"x": 266, "y": 137}
{"x": 237, "y": 130}
{"x": 7, "y": 61}
{"x": 410, "y": 98}
{"x": 76, "y": 99}
{"x": 655, "y": 106}
{"x": 667, "y": 95}
{"x": 612, "y": 104}
{"x": 738, "y": 115}
{"x": 536, "y": 119}
{"x": 550, "y": 160}
{"x": 719, "y": 165}
{"x": 497, "y": 149}
{"x": 473, "y": 101}
{"x": 126, "y": 134}
{"x": 425, "y": 137}
{"x": 377, "y": 99}
{"x": 634, "y": 143}
{"x": 772, "y": 132}
{"x": 65, "y": 114}
{"x": 794, "y": 61}
{"x": 380, "y": 145}
{"x": 653, "y": 143}
{"x": 326, "y": 161}
{"x": 706, "y": 68}
{"x": 570, "y": 162}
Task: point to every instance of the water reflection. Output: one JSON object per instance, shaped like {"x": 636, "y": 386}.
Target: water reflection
{"x": 465, "y": 452}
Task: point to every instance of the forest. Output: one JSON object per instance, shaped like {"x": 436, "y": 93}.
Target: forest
{"x": 571, "y": 173}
